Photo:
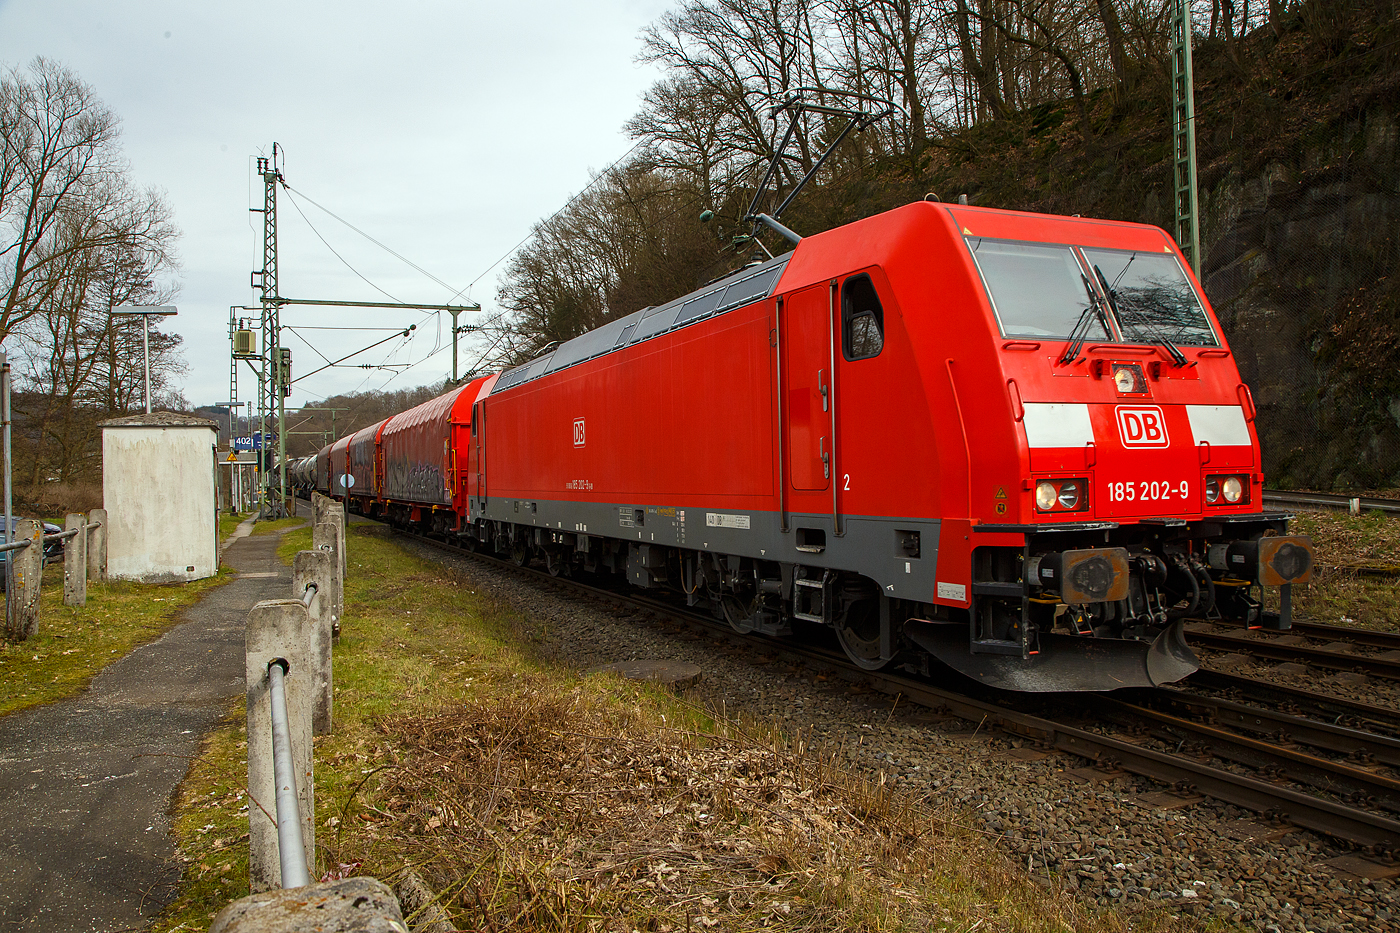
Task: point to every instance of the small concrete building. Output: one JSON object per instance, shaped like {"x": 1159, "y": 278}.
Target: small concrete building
{"x": 158, "y": 490}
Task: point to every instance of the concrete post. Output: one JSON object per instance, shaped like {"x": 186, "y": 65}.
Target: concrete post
{"x": 75, "y": 561}
{"x": 278, "y": 628}
{"x": 22, "y": 619}
{"x": 97, "y": 545}
{"x": 329, "y": 537}
{"x": 319, "y": 503}
{"x": 337, "y": 514}
{"x": 364, "y": 905}
{"x": 318, "y": 567}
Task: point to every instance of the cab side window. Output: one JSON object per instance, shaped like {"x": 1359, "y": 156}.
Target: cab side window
{"x": 862, "y": 319}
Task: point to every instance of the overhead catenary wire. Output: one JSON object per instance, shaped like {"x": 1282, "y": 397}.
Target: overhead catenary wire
{"x": 361, "y": 276}
{"x": 399, "y": 256}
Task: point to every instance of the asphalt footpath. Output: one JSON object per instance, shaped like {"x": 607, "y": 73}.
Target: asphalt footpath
{"x": 87, "y": 784}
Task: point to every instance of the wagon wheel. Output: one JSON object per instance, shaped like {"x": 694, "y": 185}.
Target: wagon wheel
{"x": 520, "y": 554}
{"x": 557, "y": 564}
{"x": 858, "y": 631}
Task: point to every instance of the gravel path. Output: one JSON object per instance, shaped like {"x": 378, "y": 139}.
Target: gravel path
{"x": 1102, "y": 835}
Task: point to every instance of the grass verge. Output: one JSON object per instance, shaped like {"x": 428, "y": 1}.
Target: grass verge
{"x": 228, "y": 523}
{"x": 1342, "y": 592}
{"x": 276, "y": 525}
{"x": 532, "y": 799}
{"x": 74, "y": 643}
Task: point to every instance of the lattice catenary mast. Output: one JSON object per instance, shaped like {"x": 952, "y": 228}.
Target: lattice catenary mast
{"x": 1185, "y": 200}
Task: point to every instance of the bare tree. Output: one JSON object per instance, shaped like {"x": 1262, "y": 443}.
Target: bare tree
{"x": 60, "y": 169}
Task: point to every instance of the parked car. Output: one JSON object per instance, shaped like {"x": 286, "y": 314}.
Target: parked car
{"x": 53, "y": 550}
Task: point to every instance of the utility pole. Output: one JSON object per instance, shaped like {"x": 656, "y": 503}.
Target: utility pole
{"x": 1185, "y": 197}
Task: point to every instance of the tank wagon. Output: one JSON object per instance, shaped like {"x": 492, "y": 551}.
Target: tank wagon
{"x": 1017, "y": 443}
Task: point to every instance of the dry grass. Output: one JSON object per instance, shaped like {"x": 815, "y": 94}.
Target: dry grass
{"x": 605, "y": 806}
{"x": 534, "y": 800}
{"x": 1341, "y": 591}
{"x": 58, "y": 498}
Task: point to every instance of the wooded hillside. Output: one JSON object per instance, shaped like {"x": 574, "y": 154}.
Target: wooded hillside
{"x": 1039, "y": 105}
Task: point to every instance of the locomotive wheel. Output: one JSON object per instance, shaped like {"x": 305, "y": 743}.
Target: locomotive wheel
{"x": 520, "y": 554}
{"x": 735, "y": 615}
{"x": 556, "y": 564}
{"x": 859, "y": 635}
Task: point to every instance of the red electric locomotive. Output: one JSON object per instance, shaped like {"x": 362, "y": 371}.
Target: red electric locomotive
{"x": 1015, "y": 442}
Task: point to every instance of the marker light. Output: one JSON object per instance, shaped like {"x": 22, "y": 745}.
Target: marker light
{"x": 1045, "y": 496}
{"x": 1232, "y": 489}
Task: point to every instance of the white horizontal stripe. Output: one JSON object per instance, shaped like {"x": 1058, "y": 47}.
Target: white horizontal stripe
{"x": 1218, "y": 425}
{"x": 1053, "y": 424}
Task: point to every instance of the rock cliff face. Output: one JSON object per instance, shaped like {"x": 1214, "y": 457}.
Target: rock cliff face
{"x": 1298, "y": 264}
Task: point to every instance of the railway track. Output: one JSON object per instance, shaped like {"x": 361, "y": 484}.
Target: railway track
{"x": 1351, "y": 803}
{"x": 1339, "y": 653}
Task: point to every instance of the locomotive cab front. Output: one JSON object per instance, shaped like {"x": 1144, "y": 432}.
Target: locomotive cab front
{"x": 1136, "y": 501}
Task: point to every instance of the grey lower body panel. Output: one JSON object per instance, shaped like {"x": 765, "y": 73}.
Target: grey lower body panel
{"x": 899, "y": 554}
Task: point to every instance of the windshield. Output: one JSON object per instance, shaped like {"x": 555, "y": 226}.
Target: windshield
{"x": 1153, "y": 298}
{"x": 1037, "y": 290}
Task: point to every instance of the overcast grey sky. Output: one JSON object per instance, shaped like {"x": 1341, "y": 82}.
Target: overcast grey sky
{"x": 443, "y": 129}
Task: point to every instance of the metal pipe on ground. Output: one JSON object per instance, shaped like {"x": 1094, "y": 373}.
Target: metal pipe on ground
{"x": 290, "y": 846}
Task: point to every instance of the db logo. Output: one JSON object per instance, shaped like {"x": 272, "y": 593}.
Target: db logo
{"x": 1142, "y": 426}
{"x": 578, "y": 432}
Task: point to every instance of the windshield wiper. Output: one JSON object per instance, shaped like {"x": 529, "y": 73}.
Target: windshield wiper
{"x": 1178, "y": 358}
{"x": 1080, "y": 332}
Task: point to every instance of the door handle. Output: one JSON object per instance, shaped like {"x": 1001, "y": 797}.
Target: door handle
{"x": 826, "y": 460}
{"x": 821, "y": 384}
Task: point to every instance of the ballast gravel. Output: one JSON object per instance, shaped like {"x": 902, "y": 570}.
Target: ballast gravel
{"x": 1066, "y": 823}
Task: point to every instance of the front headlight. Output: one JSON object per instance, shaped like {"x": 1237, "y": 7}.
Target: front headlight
{"x": 1062, "y": 495}
{"x": 1069, "y": 496}
{"x": 1227, "y": 490}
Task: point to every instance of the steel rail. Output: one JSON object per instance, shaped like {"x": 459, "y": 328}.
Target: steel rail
{"x": 1371, "y": 638}
{"x": 1322, "y": 816}
{"x": 1329, "y": 776}
{"x": 291, "y": 851}
{"x": 1272, "y": 650}
{"x": 1324, "y": 736}
{"x": 1327, "y": 817}
{"x": 1321, "y": 702}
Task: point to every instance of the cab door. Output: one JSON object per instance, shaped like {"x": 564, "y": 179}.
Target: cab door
{"x": 476, "y": 464}
{"x": 807, "y": 388}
